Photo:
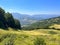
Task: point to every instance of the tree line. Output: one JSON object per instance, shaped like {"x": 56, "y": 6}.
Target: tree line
{"x": 7, "y": 20}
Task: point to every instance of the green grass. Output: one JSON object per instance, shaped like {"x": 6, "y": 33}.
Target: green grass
{"x": 33, "y": 37}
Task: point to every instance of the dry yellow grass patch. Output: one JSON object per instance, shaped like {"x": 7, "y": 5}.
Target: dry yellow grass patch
{"x": 32, "y": 32}
{"x": 56, "y": 26}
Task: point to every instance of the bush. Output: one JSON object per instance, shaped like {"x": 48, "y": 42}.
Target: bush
{"x": 52, "y": 32}
{"x": 39, "y": 41}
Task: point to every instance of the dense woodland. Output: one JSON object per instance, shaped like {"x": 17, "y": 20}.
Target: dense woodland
{"x": 7, "y": 20}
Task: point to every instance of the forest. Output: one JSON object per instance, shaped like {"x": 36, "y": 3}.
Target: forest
{"x": 7, "y": 20}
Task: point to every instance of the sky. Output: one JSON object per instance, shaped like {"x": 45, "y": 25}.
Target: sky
{"x": 31, "y": 6}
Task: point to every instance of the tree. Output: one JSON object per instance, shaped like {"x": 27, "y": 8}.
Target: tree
{"x": 10, "y": 20}
{"x": 2, "y": 19}
{"x": 7, "y": 20}
{"x": 17, "y": 24}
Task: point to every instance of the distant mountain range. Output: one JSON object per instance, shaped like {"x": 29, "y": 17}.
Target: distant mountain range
{"x": 29, "y": 19}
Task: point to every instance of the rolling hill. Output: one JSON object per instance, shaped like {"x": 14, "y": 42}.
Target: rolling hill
{"x": 33, "y": 37}
{"x": 44, "y": 24}
{"x": 29, "y": 19}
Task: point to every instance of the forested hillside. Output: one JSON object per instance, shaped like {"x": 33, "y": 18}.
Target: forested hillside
{"x": 7, "y": 20}
{"x": 26, "y": 19}
{"x": 44, "y": 24}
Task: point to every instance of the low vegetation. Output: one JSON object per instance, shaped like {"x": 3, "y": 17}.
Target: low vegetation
{"x": 55, "y": 26}
{"x": 33, "y": 37}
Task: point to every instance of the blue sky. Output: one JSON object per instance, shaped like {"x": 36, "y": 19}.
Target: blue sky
{"x": 31, "y": 6}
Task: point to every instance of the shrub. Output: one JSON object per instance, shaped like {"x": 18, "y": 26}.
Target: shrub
{"x": 52, "y": 32}
{"x": 39, "y": 41}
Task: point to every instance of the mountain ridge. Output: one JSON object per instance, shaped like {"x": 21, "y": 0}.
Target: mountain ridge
{"x": 45, "y": 24}
{"x": 26, "y": 19}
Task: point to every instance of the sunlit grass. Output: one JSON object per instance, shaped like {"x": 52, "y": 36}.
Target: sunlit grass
{"x": 23, "y": 37}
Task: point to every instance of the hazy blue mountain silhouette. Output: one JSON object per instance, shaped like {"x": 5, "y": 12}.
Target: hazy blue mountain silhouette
{"x": 26, "y": 19}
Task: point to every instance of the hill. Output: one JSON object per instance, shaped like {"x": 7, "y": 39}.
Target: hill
{"x": 26, "y": 19}
{"x": 44, "y": 24}
{"x": 34, "y": 37}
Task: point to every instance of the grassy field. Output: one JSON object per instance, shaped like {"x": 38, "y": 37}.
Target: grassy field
{"x": 33, "y": 37}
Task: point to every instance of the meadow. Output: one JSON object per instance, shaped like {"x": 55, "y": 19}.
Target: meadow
{"x": 33, "y": 37}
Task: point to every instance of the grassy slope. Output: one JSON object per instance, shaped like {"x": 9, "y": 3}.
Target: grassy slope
{"x": 51, "y": 37}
